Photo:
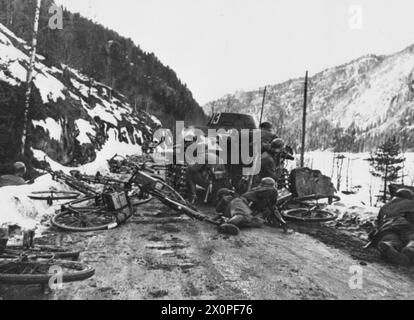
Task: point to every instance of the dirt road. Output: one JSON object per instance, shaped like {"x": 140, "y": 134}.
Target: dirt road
{"x": 160, "y": 256}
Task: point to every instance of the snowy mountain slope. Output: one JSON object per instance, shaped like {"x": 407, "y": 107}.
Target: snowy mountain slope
{"x": 73, "y": 116}
{"x": 352, "y": 107}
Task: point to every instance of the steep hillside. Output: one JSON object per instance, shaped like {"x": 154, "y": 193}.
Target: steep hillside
{"x": 352, "y": 107}
{"x": 107, "y": 57}
{"x": 72, "y": 118}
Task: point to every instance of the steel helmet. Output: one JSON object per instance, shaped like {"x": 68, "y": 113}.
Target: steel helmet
{"x": 277, "y": 143}
{"x": 19, "y": 167}
{"x": 405, "y": 194}
{"x": 268, "y": 183}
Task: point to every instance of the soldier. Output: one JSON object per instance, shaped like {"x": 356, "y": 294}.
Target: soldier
{"x": 201, "y": 173}
{"x": 266, "y": 135}
{"x": 394, "y": 236}
{"x": 15, "y": 179}
{"x": 271, "y": 161}
{"x": 244, "y": 211}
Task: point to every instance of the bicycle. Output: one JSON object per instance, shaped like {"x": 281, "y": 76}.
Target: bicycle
{"x": 308, "y": 209}
{"x": 38, "y": 252}
{"x": 21, "y": 272}
{"x": 113, "y": 207}
{"x": 104, "y": 211}
{"x": 95, "y": 213}
{"x": 136, "y": 196}
{"x": 36, "y": 266}
{"x": 158, "y": 188}
{"x": 71, "y": 182}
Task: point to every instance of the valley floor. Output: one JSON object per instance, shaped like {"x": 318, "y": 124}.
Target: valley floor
{"x": 160, "y": 256}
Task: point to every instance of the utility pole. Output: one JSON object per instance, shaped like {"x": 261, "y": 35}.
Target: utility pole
{"x": 263, "y": 104}
{"x": 305, "y": 106}
{"x": 29, "y": 78}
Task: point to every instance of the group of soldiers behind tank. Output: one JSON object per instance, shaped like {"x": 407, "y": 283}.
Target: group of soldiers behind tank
{"x": 256, "y": 204}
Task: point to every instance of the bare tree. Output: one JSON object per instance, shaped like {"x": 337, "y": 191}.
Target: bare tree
{"x": 339, "y": 166}
{"x": 29, "y": 78}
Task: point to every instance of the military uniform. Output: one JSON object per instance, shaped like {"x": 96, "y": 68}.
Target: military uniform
{"x": 198, "y": 172}
{"x": 266, "y": 138}
{"x": 11, "y": 180}
{"x": 243, "y": 211}
{"x": 394, "y": 236}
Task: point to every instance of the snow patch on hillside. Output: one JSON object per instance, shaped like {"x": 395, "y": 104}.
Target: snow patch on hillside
{"x": 85, "y": 130}
{"x": 50, "y": 88}
{"x": 50, "y": 126}
{"x": 112, "y": 147}
{"x": 156, "y": 120}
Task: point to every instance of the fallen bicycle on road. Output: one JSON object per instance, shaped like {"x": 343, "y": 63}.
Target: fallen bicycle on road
{"x": 39, "y": 252}
{"x": 94, "y": 213}
{"x": 157, "y": 187}
{"x": 135, "y": 194}
{"x": 310, "y": 209}
{"x": 72, "y": 182}
{"x": 29, "y": 266}
{"x": 18, "y": 272}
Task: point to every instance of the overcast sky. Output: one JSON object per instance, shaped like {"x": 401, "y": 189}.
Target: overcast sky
{"x": 221, "y": 46}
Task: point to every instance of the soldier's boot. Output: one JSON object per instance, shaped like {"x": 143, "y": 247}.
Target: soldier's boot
{"x": 408, "y": 251}
{"x": 228, "y": 228}
{"x": 392, "y": 254}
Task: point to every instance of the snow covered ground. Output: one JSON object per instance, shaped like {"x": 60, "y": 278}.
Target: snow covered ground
{"x": 18, "y": 209}
{"x": 359, "y": 174}
{"x": 363, "y": 203}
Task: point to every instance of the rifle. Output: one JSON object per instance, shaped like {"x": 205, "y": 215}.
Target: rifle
{"x": 276, "y": 216}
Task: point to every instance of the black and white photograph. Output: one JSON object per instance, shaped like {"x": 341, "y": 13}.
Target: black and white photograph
{"x": 218, "y": 152}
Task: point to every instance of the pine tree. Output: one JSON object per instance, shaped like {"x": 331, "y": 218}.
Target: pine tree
{"x": 386, "y": 163}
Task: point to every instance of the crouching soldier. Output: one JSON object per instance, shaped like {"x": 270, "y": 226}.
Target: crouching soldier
{"x": 202, "y": 173}
{"x": 244, "y": 211}
{"x": 272, "y": 162}
{"x": 394, "y": 236}
{"x": 16, "y": 179}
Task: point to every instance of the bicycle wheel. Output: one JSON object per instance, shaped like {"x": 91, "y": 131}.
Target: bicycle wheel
{"x": 84, "y": 219}
{"x": 54, "y": 195}
{"x": 309, "y": 215}
{"x": 40, "y": 252}
{"x": 309, "y": 201}
{"x": 30, "y": 273}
